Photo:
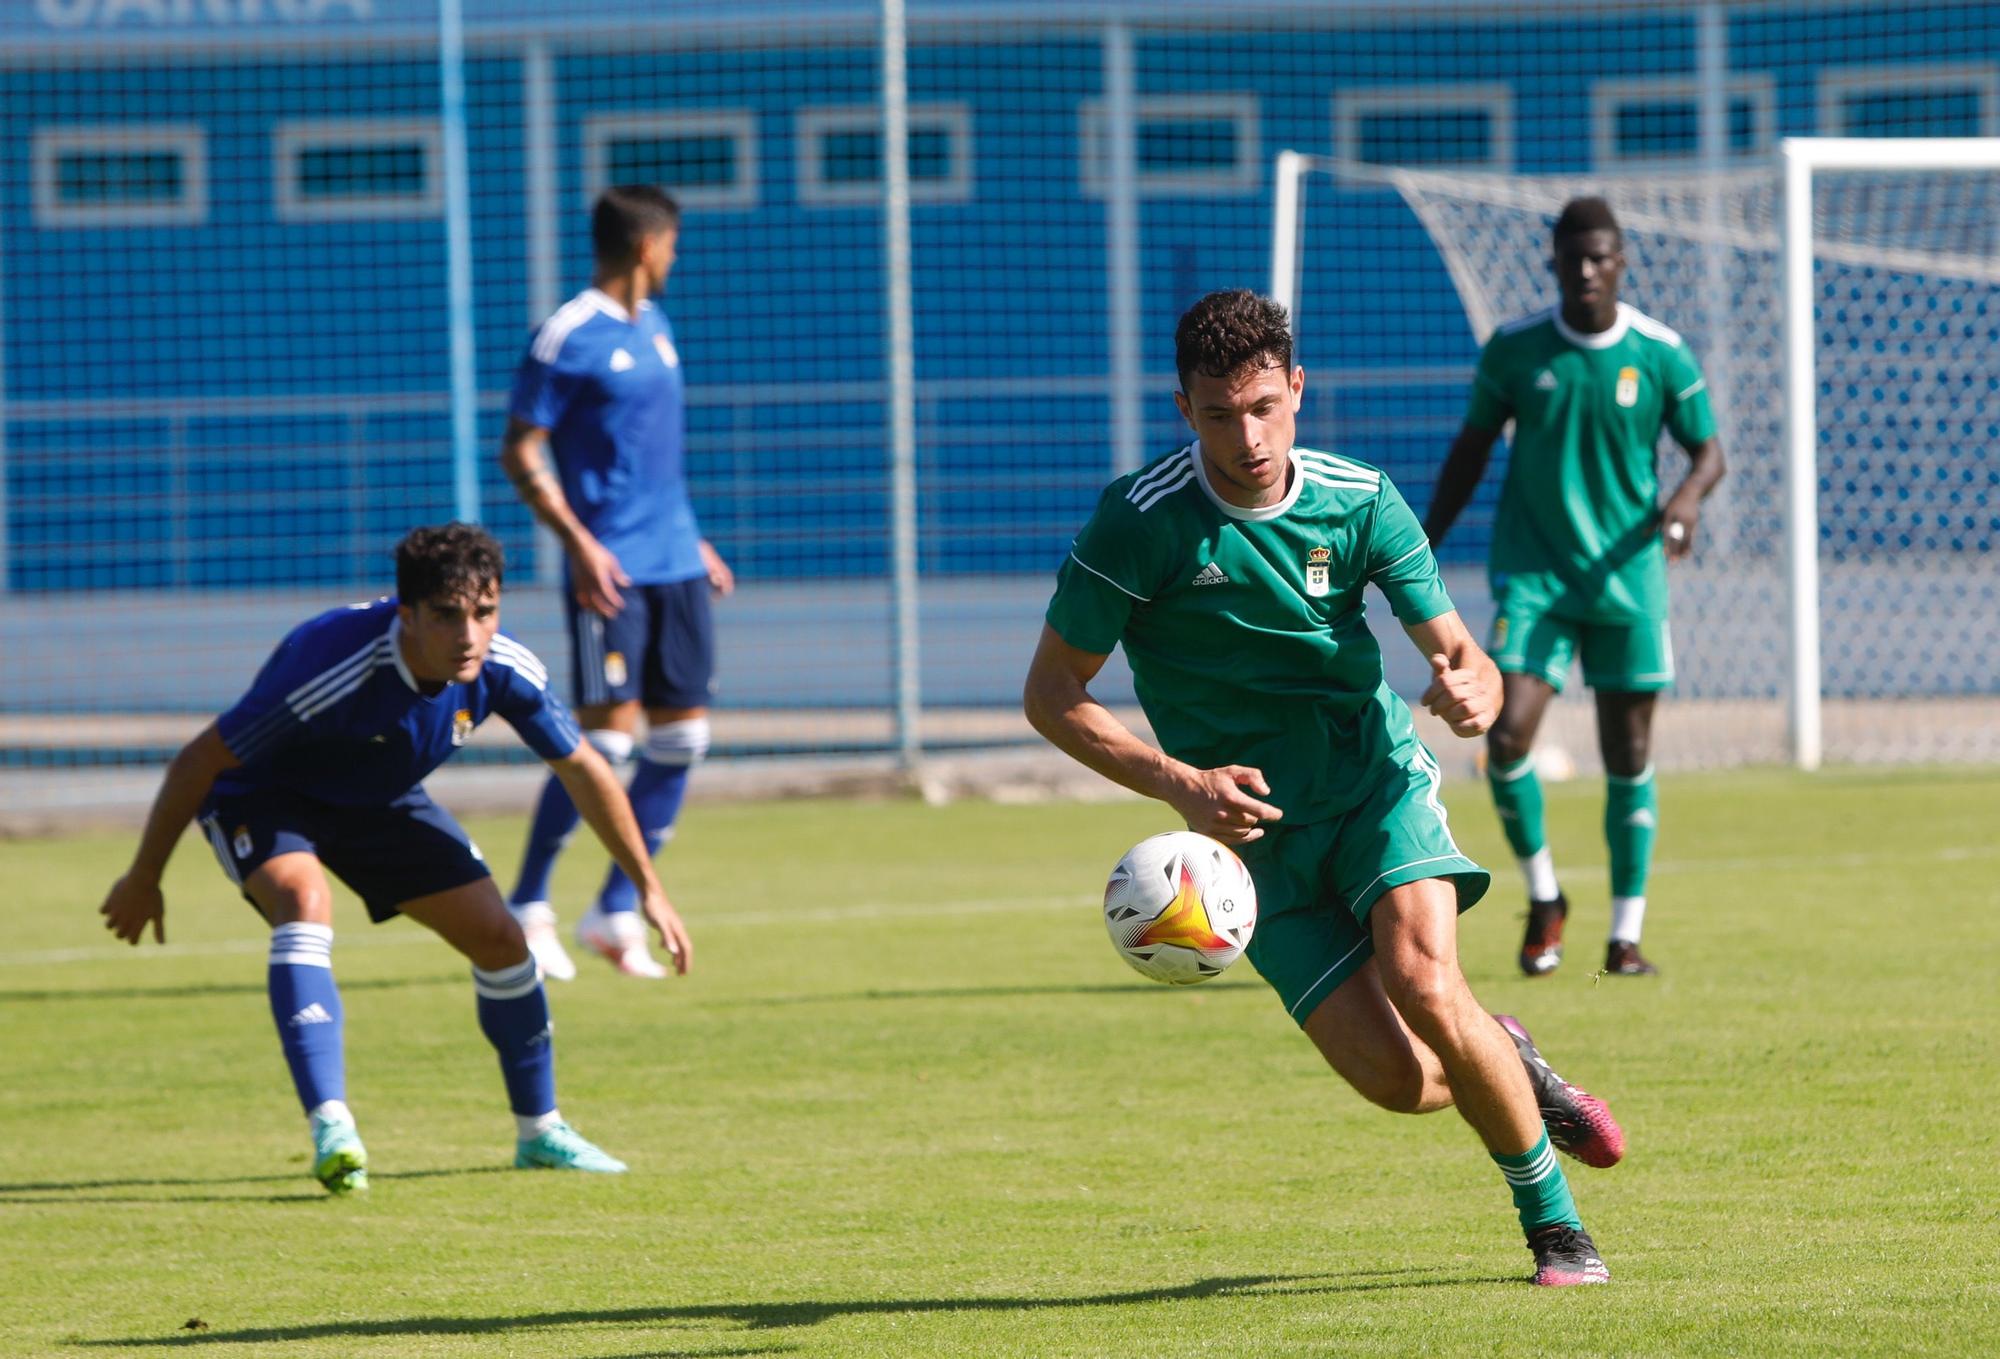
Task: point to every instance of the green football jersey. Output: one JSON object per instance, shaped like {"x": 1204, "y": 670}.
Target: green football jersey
{"x": 1245, "y": 628}
{"x": 1580, "y": 505}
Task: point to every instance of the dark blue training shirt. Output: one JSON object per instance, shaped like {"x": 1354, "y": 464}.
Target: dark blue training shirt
{"x": 336, "y": 715}
{"x": 607, "y": 386}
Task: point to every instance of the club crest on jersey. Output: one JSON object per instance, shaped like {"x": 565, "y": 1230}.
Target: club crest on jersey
{"x": 240, "y": 842}
{"x": 1319, "y": 572}
{"x": 668, "y": 354}
{"x": 614, "y": 668}
{"x": 461, "y": 726}
{"x": 1628, "y": 386}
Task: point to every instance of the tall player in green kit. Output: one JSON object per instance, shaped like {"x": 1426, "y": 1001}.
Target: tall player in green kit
{"x": 1232, "y": 573}
{"x": 1580, "y": 551}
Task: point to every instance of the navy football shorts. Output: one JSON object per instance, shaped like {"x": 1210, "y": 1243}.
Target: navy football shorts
{"x": 660, "y": 649}
{"x": 389, "y": 854}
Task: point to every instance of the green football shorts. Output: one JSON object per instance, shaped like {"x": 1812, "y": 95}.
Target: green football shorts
{"x": 1317, "y": 881}
{"x": 1529, "y": 638}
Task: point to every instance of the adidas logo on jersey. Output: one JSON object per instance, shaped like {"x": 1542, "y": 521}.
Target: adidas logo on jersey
{"x": 314, "y": 1013}
{"x": 621, "y": 361}
{"x": 1210, "y": 575}
{"x": 1545, "y": 381}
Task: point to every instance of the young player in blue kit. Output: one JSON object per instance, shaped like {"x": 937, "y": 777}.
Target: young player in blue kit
{"x": 320, "y": 766}
{"x": 600, "y": 392}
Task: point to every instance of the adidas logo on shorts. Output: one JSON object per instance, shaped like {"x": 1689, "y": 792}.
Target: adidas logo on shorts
{"x": 1210, "y": 575}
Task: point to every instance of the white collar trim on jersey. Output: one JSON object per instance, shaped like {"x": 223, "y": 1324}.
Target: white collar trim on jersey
{"x": 603, "y": 301}
{"x": 1238, "y": 511}
{"x": 1603, "y": 339}
{"x": 396, "y": 651}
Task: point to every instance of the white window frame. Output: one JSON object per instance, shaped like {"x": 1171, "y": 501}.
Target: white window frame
{"x": 190, "y": 140}
{"x": 1607, "y": 96}
{"x": 1496, "y": 99}
{"x": 1245, "y": 176}
{"x": 811, "y": 125}
{"x": 1837, "y": 82}
{"x": 740, "y": 125}
{"x": 291, "y": 137}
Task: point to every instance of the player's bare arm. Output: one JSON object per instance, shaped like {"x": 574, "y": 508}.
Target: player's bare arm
{"x": 1682, "y": 513}
{"x": 1464, "y": 465}
{"x": 1059, "y": 705}
{"x": 1465, "y": 684}
{"x": 605, "y": 808}
{"x": 721, "y": 580}
{"x": 135, "y": 899}
{"x": 595, "y": 574}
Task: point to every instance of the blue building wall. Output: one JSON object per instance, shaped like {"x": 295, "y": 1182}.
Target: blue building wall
{"x": 251, "y": 401}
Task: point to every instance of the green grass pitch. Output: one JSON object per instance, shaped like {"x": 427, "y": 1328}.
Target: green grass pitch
{"x": 910, "y": 1103}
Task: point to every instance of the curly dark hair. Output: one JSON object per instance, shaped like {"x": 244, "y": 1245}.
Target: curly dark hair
{"x": 447, "y": 562}
{"x": 1227, "y": 332}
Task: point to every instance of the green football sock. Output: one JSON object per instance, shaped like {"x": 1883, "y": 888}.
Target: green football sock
{"x": 1631, "y": 822}
{"x": 1541, "y": 1194}
{"x": 1517, "y": 797}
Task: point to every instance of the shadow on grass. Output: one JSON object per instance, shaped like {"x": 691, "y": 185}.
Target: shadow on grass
{"x": 193, "y": 989}
{"x": 83, "y": 1191}
{"x": 758, "y": 1316}
{"x": 983, "y": 993}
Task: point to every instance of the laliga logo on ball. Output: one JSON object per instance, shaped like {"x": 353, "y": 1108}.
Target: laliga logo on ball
{"x": 1180, "y": 908}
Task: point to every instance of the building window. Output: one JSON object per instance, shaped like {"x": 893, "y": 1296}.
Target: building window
{"x": 839, "y": 154}
{"x": 121, "y": 175}
{"x": 1910, "y": 101}
{"x": 1438, "y": 127}
{"x": 1203, "y": 144}
{"x": 349, "y": 169}
{"x": 1641, "y": 122}
{"x": 705, "y": 160}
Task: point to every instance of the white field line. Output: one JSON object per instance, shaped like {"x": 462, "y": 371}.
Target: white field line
{"x": 861, "y": 911}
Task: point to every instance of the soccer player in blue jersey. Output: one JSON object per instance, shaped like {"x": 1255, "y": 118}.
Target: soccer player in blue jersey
{"x": 320, "y": 766}
{"x": 600, "y": 394}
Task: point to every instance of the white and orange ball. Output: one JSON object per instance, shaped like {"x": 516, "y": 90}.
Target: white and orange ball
{"x": 1180, "y": 907}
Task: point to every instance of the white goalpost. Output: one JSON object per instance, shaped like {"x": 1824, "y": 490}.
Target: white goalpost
{"x": 1845, "y": 303}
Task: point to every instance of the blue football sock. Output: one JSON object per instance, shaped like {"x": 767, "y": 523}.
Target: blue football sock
{"x": 672, "y": 750}
{"x": 306, "y": 1005}
{"x": 514, "y": 1016}
{"x": 555, "y": 821}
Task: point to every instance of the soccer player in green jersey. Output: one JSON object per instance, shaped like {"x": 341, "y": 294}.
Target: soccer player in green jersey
{"x": 1580, "y": 551}
{"x": 1232, "y": 573}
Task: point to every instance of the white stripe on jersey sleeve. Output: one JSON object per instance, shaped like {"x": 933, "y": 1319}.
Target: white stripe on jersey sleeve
{"x": 556, "y": 330}
{"x": 523, "y": 662}
{"x": 1521, "y": 323}
{"x": 1167, "y": 468}
{"x": 337, "y": 673}
{"x": 1333, "y": 462}
{"x": 1658, "y": 330}
{"x": 1161, "y": 490}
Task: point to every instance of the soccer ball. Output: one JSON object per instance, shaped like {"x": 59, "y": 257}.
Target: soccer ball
{"x": 1180, "y": 907}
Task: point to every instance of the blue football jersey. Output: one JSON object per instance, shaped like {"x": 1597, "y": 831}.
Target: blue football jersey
{"x": 336, "y": 715}
{"x": 607, "y": 387}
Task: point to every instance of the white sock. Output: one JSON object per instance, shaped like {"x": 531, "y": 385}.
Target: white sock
{"x": 1628, "y": 916}
{"x": 331, "y": 1111}
{"x": 1539, "y": 869}
{"x": 534, "y": 1125}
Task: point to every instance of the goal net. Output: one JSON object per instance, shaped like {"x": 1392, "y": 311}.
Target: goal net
{"x": 1905, "y": 328}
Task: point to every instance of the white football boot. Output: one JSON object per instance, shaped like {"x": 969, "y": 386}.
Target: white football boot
{"x": 619, "y": 937}
{"x": 538, "y": 922}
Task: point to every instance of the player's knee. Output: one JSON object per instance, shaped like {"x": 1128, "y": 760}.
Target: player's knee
{"x": 1506, "y": 743}
{"x": 614, "y": 745}
{"x": 1426, "y": 992}
{"x": 299, "y": 904}
{"x": 494, "y": 942}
